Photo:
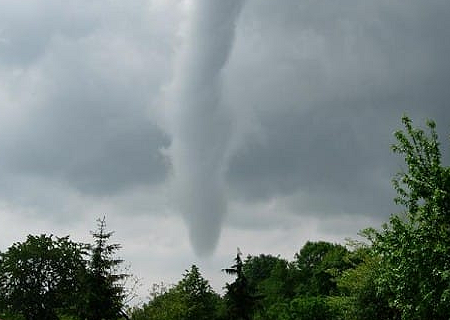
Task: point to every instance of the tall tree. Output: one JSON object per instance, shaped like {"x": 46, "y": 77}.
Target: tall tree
{"x": 415, "y": 245}
{"x": 239, "y": 298}
{"x": 272, "y": 280}
{"x": 358, "y": 287}
{"x": 258, "y": 268}
{"x": 104, "y": 295}
{"x": 39, "y": 277}
{"x": 200, "y": 299}
{"x": 191, "y": 299}
{"x": 166, "y": 304}
{"x": 281, "y": 283}
{"x": 319, "y": 263}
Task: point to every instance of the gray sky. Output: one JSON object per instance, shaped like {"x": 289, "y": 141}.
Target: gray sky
{"x": 251, "y": 124}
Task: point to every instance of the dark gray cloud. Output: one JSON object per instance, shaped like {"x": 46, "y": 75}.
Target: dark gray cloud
{"x": 85, "y": 94}
{"x": 306, "y": 98}
{"x": 327, "y": 84}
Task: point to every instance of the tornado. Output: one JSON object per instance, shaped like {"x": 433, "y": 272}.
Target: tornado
{"x": 198, "y": 121}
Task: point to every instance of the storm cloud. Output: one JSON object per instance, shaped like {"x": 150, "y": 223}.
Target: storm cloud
{"x": 266, "y": 123}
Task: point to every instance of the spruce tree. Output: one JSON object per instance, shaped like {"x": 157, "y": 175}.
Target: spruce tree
{"x": 240, "y": 300}
{"x": 104, "y": 297}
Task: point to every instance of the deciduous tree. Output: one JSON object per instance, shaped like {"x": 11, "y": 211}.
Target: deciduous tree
{"x": 319, "y": 263}
{"x": 415, "y": 245}
{"x": 39, "y": 277}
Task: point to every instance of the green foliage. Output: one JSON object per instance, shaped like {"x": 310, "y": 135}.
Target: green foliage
{"x": 8, "y": 315}
{"x": 200, "y": 299}
{"x": 415, "y": 246}
{"x": 278, "y": 311}
{"x": 319, "y": 263}
{"x": 363, "y": 300}
{"x": 39, "y": 277}
{"x": 342, "y": 308}
{"x": 240, "y": 299}
{"x": 272, "y": 281}
{"x": 259, "y": 268}
{"x": 281, "y": 283}
{"x": 310, "y": 308}
{"x": 192, "y": 298}
{"x": 103, "y": 295}
{"x": 166, "y": 306}
{"x": 306, "y": 308}
{"x": 47, "y": 278}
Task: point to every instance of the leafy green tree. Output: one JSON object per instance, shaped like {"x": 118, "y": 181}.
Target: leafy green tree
{"x": 415, "y": 246}
{"x": 200, "y": 299}
{"x": 39, "y": 277}
{"x": 164, "y": 305}
{"x": 271, "y": 279}
{"x": 240, "y": 300}
{"x": 319, "y": 264}
{"x": 277, "y": 290}
{"x": 360, "y": 298}
{"x": 280, "y": 284}
{"x": 103, "y": 298}
{"x": 192, "y": 298}
{"x": 258, "y": 268}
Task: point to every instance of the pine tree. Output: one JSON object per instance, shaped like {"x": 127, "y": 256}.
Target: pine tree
{"x": 104, "y": 297}
{"x": 239, "y": 298}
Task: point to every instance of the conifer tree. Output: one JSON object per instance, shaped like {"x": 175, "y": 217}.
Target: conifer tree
{"x": 200, "y": 299}
{"x": 104, "y": 297}
{"x": 239, "y": 298}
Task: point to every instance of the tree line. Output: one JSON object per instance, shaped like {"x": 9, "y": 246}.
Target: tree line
{"x": 50, "y": 278}
{"x": 400, "y": 271}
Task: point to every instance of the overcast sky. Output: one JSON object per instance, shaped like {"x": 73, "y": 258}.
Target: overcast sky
{"x": 200, "y": 126}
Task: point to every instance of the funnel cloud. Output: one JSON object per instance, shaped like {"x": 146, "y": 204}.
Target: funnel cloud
{"x": 198, "y": 121}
